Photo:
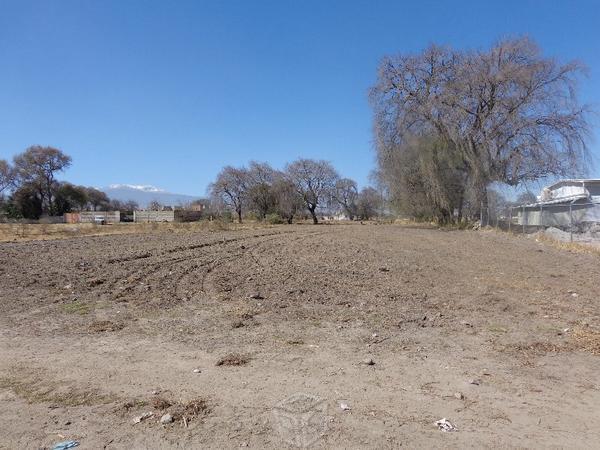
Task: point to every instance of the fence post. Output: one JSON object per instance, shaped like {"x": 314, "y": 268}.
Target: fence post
{"x": 542, "y": 216}
{"x": 523, "y": 218}
{"x": 509, "y": 218}
{"x": 571, "y": 220}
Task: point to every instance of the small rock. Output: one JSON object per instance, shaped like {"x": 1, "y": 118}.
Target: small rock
{"x": 167, "y": 418}
{"x": 155, "y": 392}
{"x": 368, "y": 362}
{"x": 459, "y": 395}
{"x": 67, "y": 423}
{"x": 475, "y": 381}
{"x": 374, "y": 335}
{"x": 574, "y": 295}
{"x": 344, "y": 406}
{"x": 196, "y": 371}
{"x": 384, "y": 269}
{"x": 256, "y": 296}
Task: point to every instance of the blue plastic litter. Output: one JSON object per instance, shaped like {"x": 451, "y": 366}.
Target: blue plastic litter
{"x": 65, "y": 445}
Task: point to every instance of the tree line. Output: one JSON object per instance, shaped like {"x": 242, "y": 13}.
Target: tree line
{"x": 449, "y": 123}
{"x": 304, "y": 186}
{"x": 35, "y": 191}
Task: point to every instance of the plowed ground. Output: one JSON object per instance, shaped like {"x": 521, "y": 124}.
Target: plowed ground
{"x": 95, "y": 331}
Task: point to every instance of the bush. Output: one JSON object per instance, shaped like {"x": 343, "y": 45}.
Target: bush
{"x": 274, "y": 219}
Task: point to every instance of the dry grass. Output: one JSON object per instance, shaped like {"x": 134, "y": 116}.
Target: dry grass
{"x": 100, "y": 326}
{"x": 233, "y": 359}
{"x": 38, "y": 391}
{"x": 574, "y": 247}
{"x": 587, "y": 339}
{"x": 30, "y": 232}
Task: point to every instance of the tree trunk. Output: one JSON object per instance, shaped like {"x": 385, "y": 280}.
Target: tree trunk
{"x": 314, "y": 216}
{"x": 239, "y": 214}
{"x": 483, "y": 199}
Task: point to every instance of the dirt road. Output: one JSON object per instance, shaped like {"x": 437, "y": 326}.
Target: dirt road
{"x": 256, "y": 338}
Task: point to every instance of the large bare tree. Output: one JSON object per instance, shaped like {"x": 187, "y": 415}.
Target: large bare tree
{"x": 314, "y": 182}
{"x": 231, "y": 186}
{"x": 37, "y": 166}
{"x": 510, "y": 112}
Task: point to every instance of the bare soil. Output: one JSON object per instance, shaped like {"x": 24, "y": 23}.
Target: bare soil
{"x": 403, "y": 326}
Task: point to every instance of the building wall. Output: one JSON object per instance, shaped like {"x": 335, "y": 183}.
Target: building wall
{"x": 89, "y": 216}
{"x": 559, "y": 215}
{"x": 153, "y": 216}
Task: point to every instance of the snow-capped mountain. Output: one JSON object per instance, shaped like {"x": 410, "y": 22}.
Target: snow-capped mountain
{"x": 143, "y": 194}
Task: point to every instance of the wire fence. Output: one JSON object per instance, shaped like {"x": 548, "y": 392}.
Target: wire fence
{"x": 566, "y": 221}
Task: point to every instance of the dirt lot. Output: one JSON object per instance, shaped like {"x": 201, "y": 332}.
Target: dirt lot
{"x": 496, "y": 333}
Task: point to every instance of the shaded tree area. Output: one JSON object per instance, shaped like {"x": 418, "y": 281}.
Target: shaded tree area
{"x": 29, "y": 187}
{"x": 448, "y": 123}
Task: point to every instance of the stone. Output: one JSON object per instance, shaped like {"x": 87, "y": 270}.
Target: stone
{"x": 167, "y": 418}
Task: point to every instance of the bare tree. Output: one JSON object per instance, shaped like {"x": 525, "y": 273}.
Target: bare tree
{"x": 97, "y": 199}
{"x": 314, "y": 182}
{"x": 288, "y": 201}
{"x": 7, "y": 175}
{"x": 38, "y": 166}
{"x": 155, "y": 205}
{"x": 131, "y": 205}
{"x": 261, "y": 197}
{"x": 368, "y": 203}
{"x": 509, "y": 112}
{"x": 345, "y": 193}
{"x": 231, "y": 186}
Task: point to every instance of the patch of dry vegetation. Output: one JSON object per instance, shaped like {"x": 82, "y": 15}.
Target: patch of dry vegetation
{"x": 31, "y": 232}
{"x": 233, "y": 359}
{"x": 38, "y": 391}
{"x": 587, "y": 339}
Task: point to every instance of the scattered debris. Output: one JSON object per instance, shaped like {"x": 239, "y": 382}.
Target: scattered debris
{"x": 104, "y": 325}
{"x": 445, "y": 425}
{"x": 237, "y": 324}
{"x": 187, "y": 411}
{"x": 459, "y": 395}
{"x": 233, "y": 359}
{"x": 167, "y": 418}
{"x": 65, "y": 445}
{"x": 160, "y": 403}
{"x": 144, "y": 416}
{"x": 344, "y": 406}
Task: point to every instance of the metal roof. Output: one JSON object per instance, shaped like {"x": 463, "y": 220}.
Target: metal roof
{"x": 574, "y": 181}
{"x": 556, "y": 201}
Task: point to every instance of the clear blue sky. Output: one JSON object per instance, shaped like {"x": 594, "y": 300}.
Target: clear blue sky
{"x": 166, "y": 93}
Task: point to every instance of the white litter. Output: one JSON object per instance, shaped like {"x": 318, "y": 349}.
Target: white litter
{"x": 345, "y": 406}
{"x": 445, "y": 425}
{"x": 146, "y": 415}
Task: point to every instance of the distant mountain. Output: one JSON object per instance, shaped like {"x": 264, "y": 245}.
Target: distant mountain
{"x": 144, "y": 194}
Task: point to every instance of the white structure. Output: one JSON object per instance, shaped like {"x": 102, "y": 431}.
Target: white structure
{"x": 564, "y": 204}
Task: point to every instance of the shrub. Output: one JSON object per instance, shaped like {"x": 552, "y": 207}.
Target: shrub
{"x": 274, "y": 219}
